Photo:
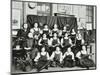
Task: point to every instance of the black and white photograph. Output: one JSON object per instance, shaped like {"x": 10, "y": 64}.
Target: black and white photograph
{"x": 52, "y": 37}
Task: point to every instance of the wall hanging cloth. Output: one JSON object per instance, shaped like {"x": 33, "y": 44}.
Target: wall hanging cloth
{"x": 51, "y": 20}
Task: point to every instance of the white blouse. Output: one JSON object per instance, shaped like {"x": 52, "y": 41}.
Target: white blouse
{"x": 53, "y": 55}
{"x": 78, "y": 55}
{"x": 69, "y": 53}
{"x": 39, "y": 55}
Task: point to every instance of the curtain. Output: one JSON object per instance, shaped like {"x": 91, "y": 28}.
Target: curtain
{"x": 72, "y": 21}
{"x": 31, "y": 19}
{"x": 61, "y": 22}
{"x": 51, "y": 20}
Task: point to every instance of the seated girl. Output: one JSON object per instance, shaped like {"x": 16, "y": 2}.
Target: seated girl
{"x": 35, "y": 41}
{"x": 56, "y": 57}
{"x": 43, "y": 41}
{"x": 46, "y": 30}
{"x": 23, "y": 35}
{"x": 83, "y": 60}
{"x": 73, "y": 36}
{"x": 30, "y": 40}
{"x": 55, "y": 42}
{"x": 60, "y": 34}
{"x": 79, "y": 43}
{"x": 64, "y": 31}
{"x": 35, "y": 29}
{"x": 55, "y": 29}
{"x": 42, "y": 60}
{"x": 65, "y": 42}
{"x": 68, "y": 58}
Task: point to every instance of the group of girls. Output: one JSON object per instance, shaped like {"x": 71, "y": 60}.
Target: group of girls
{"x": 53, "y": 47}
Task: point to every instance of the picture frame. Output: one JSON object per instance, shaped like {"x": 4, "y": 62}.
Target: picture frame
{"x": 16, "y": 18}
{"x": 64, "y": 15}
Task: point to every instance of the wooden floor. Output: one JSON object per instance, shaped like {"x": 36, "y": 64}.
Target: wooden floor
{"x": 52, "y": 69}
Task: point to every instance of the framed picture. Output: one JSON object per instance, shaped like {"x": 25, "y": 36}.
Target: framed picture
{"x": 16, "y": 18}
{"x": 52, "y": 37}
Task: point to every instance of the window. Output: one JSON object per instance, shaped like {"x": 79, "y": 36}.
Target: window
{"x": 89, "y": 14}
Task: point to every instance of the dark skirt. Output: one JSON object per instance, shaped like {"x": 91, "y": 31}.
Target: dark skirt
{"x": 85, "y": 62}
{"x": 42, "y": 64}
{"x": 77, "y": 49}
{"x": 56, "y": 63}
{"x": 73, "y": 37}
{"x": 73, "y": 48}
{"x": 68, "y": 62}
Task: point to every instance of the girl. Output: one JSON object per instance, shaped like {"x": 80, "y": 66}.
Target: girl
{"x": 35, "y": 41}
{"x": 60, "y": 34}
{"x": 43, "y": 42}
{"x": 82, "y": 59}
{"x": 23, "y": 35}
{"x": 30, "y": 40}
{"x": 64, "y": 31}
{"x": 69, "y": 58}
{"x": 79, "y": 43}
{"x": 36, "y": 29}
{"x": 65, "y": 42}
{"x": 46, "y": 30}
{"x": 55, "y": 42}
{"x": 73, "y": 36}
{"x": 56, "y": 57}
{"x": 78, "y": 33}
{"x": 23, "y": 32}
{"x": 55, "y": 29}
{"x": 42, "y": 60}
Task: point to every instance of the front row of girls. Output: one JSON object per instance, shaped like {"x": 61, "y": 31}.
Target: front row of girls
{"x": 57, "y": 58}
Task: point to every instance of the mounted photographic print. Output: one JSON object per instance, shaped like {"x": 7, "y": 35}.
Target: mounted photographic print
{"x": 52, "y": 37}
